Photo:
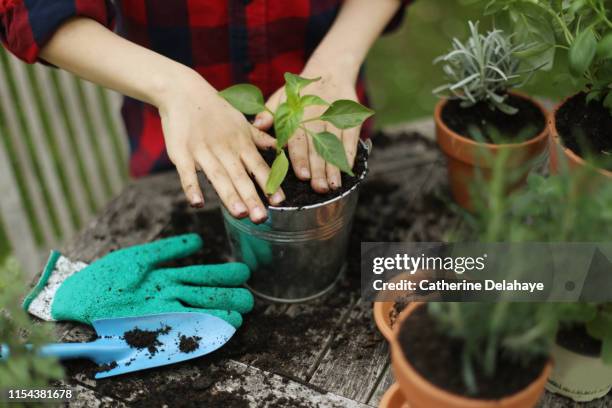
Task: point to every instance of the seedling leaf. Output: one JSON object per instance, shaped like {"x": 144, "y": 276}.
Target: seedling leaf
{"x": 278, "y": 172}
{"x": 247, "y": 98}
{"x": 346, "y": 114}
{"x": 331, "y": 150}
{"x": 294, "y": 85}
{"x": 286, "y": 121}
{"x": 310, "y": 100}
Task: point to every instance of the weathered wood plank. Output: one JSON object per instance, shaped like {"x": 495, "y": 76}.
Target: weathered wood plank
{"x": 15, "y": 218}
{"x": 356, "y": 358}
{"x": 41, "y": 148}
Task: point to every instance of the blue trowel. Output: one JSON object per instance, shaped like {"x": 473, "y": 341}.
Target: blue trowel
{"x": 178, "y": 337}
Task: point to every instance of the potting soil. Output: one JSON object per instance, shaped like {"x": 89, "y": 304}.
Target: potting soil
{"x": 438, "y": 358}
{"x": 527, "y": 123}
{"x": 299, "y": 193}
{"x": 585, "y": 128}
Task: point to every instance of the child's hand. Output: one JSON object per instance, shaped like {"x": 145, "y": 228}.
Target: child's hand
{"x": 306, "y": 162}
{"x": 202, "y": 131}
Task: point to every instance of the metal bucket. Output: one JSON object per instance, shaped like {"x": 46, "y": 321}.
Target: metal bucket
{"x": 298, "y": 254}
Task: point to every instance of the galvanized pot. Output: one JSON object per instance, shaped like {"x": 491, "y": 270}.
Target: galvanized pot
{"x": 299, "y": 253}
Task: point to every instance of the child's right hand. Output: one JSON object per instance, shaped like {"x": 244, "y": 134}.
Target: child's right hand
{"x": 204, "y": 132}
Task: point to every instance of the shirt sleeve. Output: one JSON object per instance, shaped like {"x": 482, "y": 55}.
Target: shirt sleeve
{"x": 26, "y": 25}
{"x": 397, "y": 19}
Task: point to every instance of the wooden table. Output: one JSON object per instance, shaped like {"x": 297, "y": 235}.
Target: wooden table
{"x": 326, "y": 353}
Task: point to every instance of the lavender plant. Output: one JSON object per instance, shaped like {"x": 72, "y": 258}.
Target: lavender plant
{"x": 483, "y": 69}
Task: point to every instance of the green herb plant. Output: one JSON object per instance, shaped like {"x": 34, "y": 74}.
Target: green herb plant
{"x": 558, "y": 208}
{"x": 579, "y": 29}
{"x": 289, "y": 117}
{"x": 483, "y": 69}
{"x": 23, "y": 368}
{"x": 520, "y": 332}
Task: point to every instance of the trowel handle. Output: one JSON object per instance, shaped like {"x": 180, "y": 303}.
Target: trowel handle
{"x": 96, "y": 351}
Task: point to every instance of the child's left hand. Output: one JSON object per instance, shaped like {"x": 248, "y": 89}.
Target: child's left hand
{"x": 306, "y": 162}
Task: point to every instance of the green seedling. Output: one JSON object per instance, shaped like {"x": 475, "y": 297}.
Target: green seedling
{"x": 289, "y": 117}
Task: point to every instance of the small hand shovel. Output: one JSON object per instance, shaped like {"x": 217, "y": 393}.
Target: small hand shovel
{"x": 206, "y": 334}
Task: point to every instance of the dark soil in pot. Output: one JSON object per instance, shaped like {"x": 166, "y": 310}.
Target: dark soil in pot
{"x": 576, "y": 339}
{"x": 586, "y": 128}
{"x": 527, "y": 123}
{"x": 299, "y": 193}
{"x": 437, "y": 358}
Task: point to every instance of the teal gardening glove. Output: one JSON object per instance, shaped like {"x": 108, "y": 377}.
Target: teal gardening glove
{"x": 128, "y": 282}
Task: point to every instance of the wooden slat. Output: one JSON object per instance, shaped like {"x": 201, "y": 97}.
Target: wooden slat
{"x": 15, "y": 218}
{"x": 42, "y": 150}
{"x": 110, "y": 103}
{"x": 356, "y": 376}
{"x": 33, "y": 185}
{"x": 62, "y": 139}
{"x": 110, "y": 163}
{"x": 83, "y": 147}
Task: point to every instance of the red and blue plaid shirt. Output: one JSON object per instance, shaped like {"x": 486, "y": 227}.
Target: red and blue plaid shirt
{"x": 227, "y": 42}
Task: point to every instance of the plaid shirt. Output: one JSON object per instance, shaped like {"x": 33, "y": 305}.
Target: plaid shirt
{"x": 227, "y": 42}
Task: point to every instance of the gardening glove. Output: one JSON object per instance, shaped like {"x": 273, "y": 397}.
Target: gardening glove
{"x": 128, "y": 282}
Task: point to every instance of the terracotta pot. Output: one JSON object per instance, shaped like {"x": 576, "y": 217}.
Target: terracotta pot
{"x": 393, "y": 398}
{"x": 561, "y": 156}
{"x": 465, "y": 156}
{"x": 420, "y": 393}
{"x": 579, "y": 377}
{"x": 382, "y": 318}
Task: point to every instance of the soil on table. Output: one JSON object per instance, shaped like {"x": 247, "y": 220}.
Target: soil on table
{"x": 145, "y": 339}
{"x": 576, "y": 339}
{"x": 586, "y": 128}
{"x": 299, "y": 193}
{"x": 437, "y": 357}
{"x": 189, "y": 344}
{"x": 493, "y": 125}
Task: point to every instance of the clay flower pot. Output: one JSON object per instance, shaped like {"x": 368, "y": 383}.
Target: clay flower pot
{"x": 562, "y": 156}
{"x": 393, "y": 398}
{"x": 577, "y": 376}
{"x": 420, "y": 393}
{"x": 465, "y": 156}
{"x": 382, "y": 311}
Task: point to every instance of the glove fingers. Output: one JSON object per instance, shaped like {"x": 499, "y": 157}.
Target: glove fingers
{"x": 229, "y": 274}
{"x": 164, "y": 250}
{"x": 230, "y": 316}
{"x": 237, "y": 299}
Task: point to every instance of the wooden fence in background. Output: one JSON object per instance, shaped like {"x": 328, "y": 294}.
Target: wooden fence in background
{"x": 62, "y": 156}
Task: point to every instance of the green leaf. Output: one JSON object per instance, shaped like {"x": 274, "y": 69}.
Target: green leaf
{"x": 331, "y": 150}
{"x": 600, "y": 328}
{"x": 286, "y": 122}
{"x": 582, "y": 52}
{"x": 278, "y": 172}
{"x": 346, "y": 114}
{"x": 247, "y": 98}
{"x": 310, "y": 100}
{"x": 607, "y": 102}
{"x": 294, "y": 85}
{"x": 604, "y": 48}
